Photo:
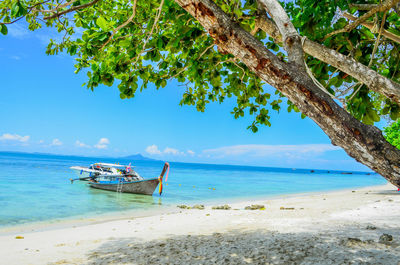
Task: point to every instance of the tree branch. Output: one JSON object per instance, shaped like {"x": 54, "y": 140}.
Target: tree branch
{"x": 362, "y": 73}
{"x": 58, "y": 14}
{"x": 122, "y": 25}
{"x": 268, "y": 26}
{"x": 58, "y": 7}
{"x": 363, "y": 6}
{"x": 152, "y": 28}
{"x": 370, "y": 25}
{"x": 363, "y": 142}
{"x": 184, "y": 68}
{"x": 380, "y": 8}
{"x": 290, "y": 36}
{"x": 30, "y": 9}
{"x": 377, "y": 40}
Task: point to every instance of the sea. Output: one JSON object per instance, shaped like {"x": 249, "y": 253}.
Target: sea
{"x": 37, "y": 187}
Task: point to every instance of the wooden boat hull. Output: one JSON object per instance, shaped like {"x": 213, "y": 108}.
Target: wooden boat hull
{"x": 145, "y": 187}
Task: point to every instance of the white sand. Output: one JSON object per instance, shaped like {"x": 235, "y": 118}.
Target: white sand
{"x": 324, "y": 228}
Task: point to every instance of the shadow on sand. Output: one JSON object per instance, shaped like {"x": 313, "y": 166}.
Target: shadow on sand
{"x": 387, "y": 192}
{"x": 256, "y": 247}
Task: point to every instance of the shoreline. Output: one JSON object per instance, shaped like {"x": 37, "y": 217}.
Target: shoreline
{"x": 329, "y": 227}
{"x": 83, "y": 220}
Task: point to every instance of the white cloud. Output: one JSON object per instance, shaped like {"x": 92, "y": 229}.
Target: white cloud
{"x": 190, "y": 152}
{"x": 18, "y": 31}
{"x": 14, "y": 137}
{"x": 268, "y": 150}
{"x": 81, "y": 144}
{"x": 153, "y": 150}
{"x": 56, "y": 142}
{"x": 102, "y": 144}
{"x": 171, "y": 151}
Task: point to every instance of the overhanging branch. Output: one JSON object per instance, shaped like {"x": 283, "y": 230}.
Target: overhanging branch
{"x": 129, "y": 20}
{"x": 290, "y": 36}
{"x": 363, "y": 142}
{"x": 58, "y": 14}
{"x": 380, "y": 8}
{"x": 348, "y": 65}
{"x": 370, "y": 25}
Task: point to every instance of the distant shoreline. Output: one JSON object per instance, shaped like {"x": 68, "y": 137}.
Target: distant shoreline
{"x": 310, "y": 170}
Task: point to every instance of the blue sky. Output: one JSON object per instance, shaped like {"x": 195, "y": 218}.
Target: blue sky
{"x": 44, "y": 108}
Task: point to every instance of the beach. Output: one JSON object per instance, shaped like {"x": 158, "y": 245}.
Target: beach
{"x": 352, "y": 226}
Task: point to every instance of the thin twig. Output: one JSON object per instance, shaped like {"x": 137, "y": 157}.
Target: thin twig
{"x": 57, "y": 8}
{"x": 206, "y": 49}
{"x": 349, "y": 27}
{"x": 377, "y": 40}
{"x": 122, "y": 25}
{"x": 244, "y": 72}
{"x": 71, "y": 9}
{"x": 152, "y": 28}
{"x": 184, "y": 68}
{"x": 344, "y": 92}
{"x": 370, "y": 25}
{"x": 355, "y": 92}
{"x": 65, "y": 28}
{"x": 30, "y": 9}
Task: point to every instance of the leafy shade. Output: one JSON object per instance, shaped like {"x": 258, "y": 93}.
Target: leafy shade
{"x": 392, "y": 134}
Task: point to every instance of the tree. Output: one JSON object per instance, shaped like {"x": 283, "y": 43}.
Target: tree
{"x": 392, "y": 134}
{"x": 335, "y": 62}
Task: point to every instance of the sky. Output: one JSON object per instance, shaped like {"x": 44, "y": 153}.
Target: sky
{"x": 45, "y": 108}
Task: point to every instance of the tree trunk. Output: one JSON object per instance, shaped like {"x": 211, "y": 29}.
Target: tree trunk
{"x": 363, "y": 142}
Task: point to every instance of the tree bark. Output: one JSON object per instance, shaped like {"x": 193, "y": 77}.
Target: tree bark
{"x": 291, "y": 39}
{"x": 363, "y": 142}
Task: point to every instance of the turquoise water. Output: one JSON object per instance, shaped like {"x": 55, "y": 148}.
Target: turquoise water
{"x": 36, "y": 187}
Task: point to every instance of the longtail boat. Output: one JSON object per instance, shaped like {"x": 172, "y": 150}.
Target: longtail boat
{"x": 120, "y": 178}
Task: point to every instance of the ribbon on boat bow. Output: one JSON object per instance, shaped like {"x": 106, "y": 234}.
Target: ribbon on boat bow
{"x": 160, "y": 185}
{"x": 160, "y": 178}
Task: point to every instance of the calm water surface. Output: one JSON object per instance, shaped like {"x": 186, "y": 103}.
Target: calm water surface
{"x": 36, "y": 187}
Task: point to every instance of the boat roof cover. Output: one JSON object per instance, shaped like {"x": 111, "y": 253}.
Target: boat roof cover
{"x": 109, "y": 165}
{"x": 84, "y": 169}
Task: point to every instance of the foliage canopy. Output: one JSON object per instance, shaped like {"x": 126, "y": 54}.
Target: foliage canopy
{"x": 392, "y": 134}
{"x": 125, "y": 41}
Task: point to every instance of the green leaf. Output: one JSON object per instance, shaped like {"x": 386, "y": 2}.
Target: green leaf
{"x": 102, "y": 23}
{"x": 15, "y": 9}
{"x": 238, "y": 13}
{"x": 3, "y": 29}
{"x": 125, "y": 43}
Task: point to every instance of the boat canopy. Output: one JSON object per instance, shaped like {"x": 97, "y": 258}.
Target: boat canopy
{"x": 84, "y": 169}
{"x": 108, "y": 165}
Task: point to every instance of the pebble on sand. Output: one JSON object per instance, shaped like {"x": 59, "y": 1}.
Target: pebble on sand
{"x": 183, "y": 206}
{"x": 255, "y": 207}
{"x": 223, "y": 207}
{"x": 385, "y": 238}
{"x": 286, "y": 208}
